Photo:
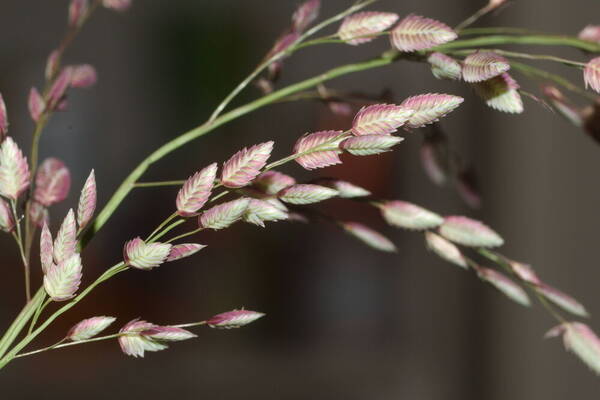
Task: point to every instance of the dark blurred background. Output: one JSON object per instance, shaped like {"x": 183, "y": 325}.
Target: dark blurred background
{"x": 343, "y": 321}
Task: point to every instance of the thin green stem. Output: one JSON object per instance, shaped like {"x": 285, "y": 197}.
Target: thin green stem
{"x": 37, "y": 315}
{"x": 540, "y": 74}
{"x": 183, "y": 235}
{"x": 162, "y": 224}
{"x": 167, "y": 229}
{"x": 190, "y": 325}
{"x": 473, "y": 18}
{"x": 157, "y": 184}
{"x": 499, "y": 30}
{"x": 19, "y": 238}
{"x": 61, "y": 344}
{"x": 542, "y": 40}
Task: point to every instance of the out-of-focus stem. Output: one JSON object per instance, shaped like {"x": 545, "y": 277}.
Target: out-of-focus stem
{"x": 538, "y": 73}
{"x": 543, "y": 40}
{"x": 473, "y": 18}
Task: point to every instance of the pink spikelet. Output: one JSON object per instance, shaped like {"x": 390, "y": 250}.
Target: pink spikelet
{"x": 591, "y": 74}
{"x": 581, "y": 341}
{"x": 469, "y": 232}
{"x": 88, "y": 328}
{"x": 367, "y": 145}
{"x": 276, "y": 52}
{"x": 224, "y": 215}
{"x": 52, "y": 65}
{"x": 3, "y": 119}
{"x": 52, "y": 182}
{"x": 483, "y": 65}
{"x": 346, "y": 190}
{"x": 66, "y": 239}
{"x": 369, "y": 236}
{"x": 77, "y": 11}
{"x": 118, "y": 5}
{"x": 306, "y": 194}
{"x": 7, "y": 220}
{"x": 233, "y": 319}
{"x": 61, "y": 281}
{"x": 245, "y": 165}
{"x": 363, "y": 27}
{"x": 429, "y": 108}
{"x": 524, "y": 272}
{"x": 562, "y": 300}
{"x": 305, "y": 15}
{"x": 444, "y": 67}
{"x": 145, "y": 256}
{"x": 59, "y": 88}
{"x": 505, "y": 285}
{"x": 271, "y": 182}
{"x": 563, "y": 105}
{"x": 14, "y": 170}
{"x": 184, "y": 250}
{"x": 83, "y": 76}
{"x": 38, "y": 214}
{"x": 87, "y": 202}
{"x": 196, "y": 191}
{"x": 261, "y": 211}
{"x": 590, "y": 33}
{"x": 501, "y": 94}
{"x": 36, "y": 104}
{"x": 418, "y": 33}
{"x": 319, "y": 149}
{"x": 167, "y": 334}
{"x": 46, "y": 249}
{"x": 133, "y": 343}
{"x": 406, "y": 215}
{"x": 445, "y": 249}
{"x": 434, "y": 158}
{"x": 380, "y": 119}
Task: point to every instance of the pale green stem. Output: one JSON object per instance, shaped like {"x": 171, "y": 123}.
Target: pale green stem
{"x": 61, "y": 344}
{"x": 183, "y": 235}
{"x": 19, "y": 238}
{"x": 37, "y": 315}
{"x": 473, "y": 18}
{"x": 159, "y": 183}
{"x": 165, "y": 222}
{"x": 168, "y": 229}
{"x": 543, "y": 40}
{"x": 190, "y": 325}
{"x": 537, "y": 73}
{"x": 30, "y": 337}
{"x": 500, "y": 30}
